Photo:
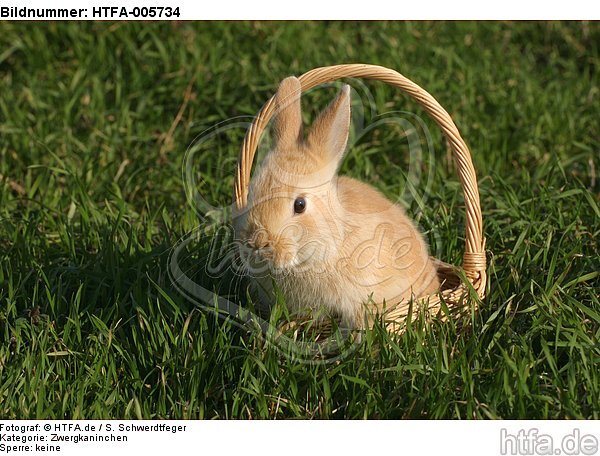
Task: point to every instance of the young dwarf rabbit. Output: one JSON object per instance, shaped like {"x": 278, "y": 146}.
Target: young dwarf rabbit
{"x": 327, "y": 240}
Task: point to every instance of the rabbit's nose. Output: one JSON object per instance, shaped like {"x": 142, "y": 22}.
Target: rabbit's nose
{"x": 259, "y": 240}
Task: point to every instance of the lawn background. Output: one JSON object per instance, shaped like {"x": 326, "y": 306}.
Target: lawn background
{"x": 92, "y": 200}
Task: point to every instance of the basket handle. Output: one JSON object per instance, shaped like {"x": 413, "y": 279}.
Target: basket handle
{"x": 474, "y": 261}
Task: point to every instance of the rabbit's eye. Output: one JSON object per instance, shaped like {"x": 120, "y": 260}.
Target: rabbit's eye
{"x": 300, "y": 205}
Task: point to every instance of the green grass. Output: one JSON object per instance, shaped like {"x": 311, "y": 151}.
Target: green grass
{"x": 92, "y": 201}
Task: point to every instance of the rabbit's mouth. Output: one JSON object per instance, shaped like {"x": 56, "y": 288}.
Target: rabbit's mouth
{"x": 280, "y": 262}
{"x": 260, "y": 255}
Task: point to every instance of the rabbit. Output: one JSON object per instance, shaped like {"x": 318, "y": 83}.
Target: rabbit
{"x": 327, "y": 241}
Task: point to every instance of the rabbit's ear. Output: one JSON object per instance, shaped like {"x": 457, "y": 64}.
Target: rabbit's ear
{"x": 330, "y": 131}
{"x": 288, "y": 114}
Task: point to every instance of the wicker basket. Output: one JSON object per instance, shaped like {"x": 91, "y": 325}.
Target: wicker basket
{"x": 456, "y": 286}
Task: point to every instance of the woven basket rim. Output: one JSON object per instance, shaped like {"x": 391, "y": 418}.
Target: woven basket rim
{"x": 474, "y": 259}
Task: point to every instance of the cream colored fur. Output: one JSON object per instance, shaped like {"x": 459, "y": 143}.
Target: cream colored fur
{"x": 350, "y": 245}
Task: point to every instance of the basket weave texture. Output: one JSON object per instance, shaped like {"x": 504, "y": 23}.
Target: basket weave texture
{"x": 454, "y": 289}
